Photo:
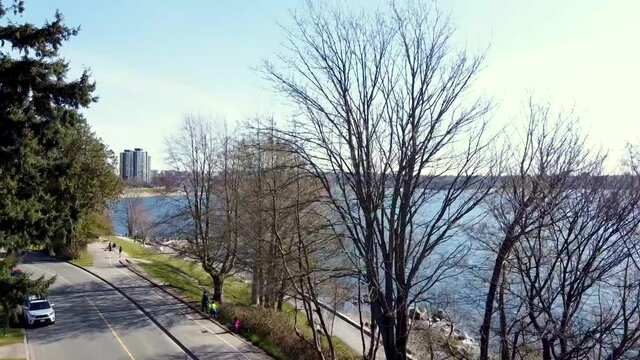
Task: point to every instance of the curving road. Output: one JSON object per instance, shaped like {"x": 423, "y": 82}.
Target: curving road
{"x": 94, "y": 321}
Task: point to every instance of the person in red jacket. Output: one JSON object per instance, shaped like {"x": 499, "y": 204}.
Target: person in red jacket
{"x": 236, "y": 324}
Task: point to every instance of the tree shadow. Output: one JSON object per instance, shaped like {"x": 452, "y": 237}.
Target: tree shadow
{"x": 222, "y": 353}
{"x": 40, "y": 256}
{"x": 82, "y": 311}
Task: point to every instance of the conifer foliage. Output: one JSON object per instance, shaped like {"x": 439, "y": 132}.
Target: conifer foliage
{"x": 54, "y": 173}
{"x": 15, "y": 287}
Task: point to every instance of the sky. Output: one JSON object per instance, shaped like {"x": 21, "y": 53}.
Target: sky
{"x": 155, "y": 61}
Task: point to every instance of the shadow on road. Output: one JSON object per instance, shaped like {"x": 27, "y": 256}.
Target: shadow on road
{"x": 34, "y": 257}
{"x": 76, "y": 314}
{"x": 211, "y": 352}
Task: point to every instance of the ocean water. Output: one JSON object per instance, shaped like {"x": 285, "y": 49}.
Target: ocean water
{"x": 459, "y": 292}
{"x": 162, "y": 212}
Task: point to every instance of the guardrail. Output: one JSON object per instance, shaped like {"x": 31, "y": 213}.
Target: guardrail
{"x": 351, "y": 322}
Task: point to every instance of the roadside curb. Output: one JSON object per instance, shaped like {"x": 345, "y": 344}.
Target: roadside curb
{"x": 27, "y": 354}
{"x": 194, "y": 308}
{"x": 149, "y": 316}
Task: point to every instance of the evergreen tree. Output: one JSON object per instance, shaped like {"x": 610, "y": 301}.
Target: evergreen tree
{"x": 15, "y": 288}
{"x": 39, "y": 116}
{"x": 83, "y": 189}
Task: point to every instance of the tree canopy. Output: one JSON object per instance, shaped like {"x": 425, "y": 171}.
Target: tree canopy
{"x": 16, "y": 287}
{"x": 53, "y": 169}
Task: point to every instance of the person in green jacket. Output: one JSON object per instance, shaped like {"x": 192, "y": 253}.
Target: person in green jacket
{"x": 213, "y": 309}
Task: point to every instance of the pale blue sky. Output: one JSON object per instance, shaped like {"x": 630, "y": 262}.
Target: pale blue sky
{"x": 155, "y": 60}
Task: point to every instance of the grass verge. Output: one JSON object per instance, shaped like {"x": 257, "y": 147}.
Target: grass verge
{"x": 85, "y": 259}
{"x": 14, "y": 335}
{"x": 268, "y": 329}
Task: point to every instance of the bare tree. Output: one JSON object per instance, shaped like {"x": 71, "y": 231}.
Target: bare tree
{"x": 135, "y": 217}
{"x": 211, "y": 187}
{"x": 568, "y": 271}
{"x": 257, "y": 251}
{"x": 392, "y": 133}
{"x": 305, "y": 241}
{"x": 287, "y": 245}
{"x": 566, "y": 236}
{"x": 541, "y": 169}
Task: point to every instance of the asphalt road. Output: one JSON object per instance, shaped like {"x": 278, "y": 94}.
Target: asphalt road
{"x": 203, "y": 338}
{"x": 93, "y": 321}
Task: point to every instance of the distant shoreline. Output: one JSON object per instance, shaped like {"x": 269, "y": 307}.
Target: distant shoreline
{"x": 140, "y": 193}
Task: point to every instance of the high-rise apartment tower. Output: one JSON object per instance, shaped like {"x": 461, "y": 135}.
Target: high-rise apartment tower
{"x": 135, "y": 165}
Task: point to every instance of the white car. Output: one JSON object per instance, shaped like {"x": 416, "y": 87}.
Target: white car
{"x": 37, "y": 311}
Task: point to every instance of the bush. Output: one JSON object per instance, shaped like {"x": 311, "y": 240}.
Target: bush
{"x": 68, "y": 251}
{"x": 268, "y": 324}
{"x": 93, "y": 225}
{"x": 89, "y": 228}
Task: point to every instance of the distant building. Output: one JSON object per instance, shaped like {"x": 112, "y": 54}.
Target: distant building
{"x": 126, "y": 169}
{"x": 169, "y": 179}
{"x": 135, "y": 166}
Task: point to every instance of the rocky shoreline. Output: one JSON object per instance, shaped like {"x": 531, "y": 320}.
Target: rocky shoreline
{"x": 435, "y": 336}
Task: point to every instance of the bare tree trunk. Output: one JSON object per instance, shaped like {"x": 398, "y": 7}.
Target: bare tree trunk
{"x": 255, "y": 284}
{"x": 514, "y": 349}
{"x": 504, "y": 336}
{"x": 402, "y": 332}
{"x": 386, "y": 327}
{"x": 505, "y": 248}
{"x": 546, "y": 349}
{"x": 281, "y": 294}
{"x": 218, "y": 282}
{"x": 264, "y": 301}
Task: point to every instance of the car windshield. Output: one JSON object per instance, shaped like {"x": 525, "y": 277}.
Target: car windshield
{"x": 40, "y": 305}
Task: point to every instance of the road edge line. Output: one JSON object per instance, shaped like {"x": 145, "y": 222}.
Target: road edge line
{"x": 145, "y": 312}
{"x": 27, "y": 354}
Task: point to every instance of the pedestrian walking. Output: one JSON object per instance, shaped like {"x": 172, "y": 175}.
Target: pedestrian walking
{"x": 236, "y": 324}
{"x": 120, "y": 252}
{"x": 205, "y": 301}
{"x": 213, "y": 310}
{"x": 109, "y": 247}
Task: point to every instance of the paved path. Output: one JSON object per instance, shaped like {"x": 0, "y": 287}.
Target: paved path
{"x": 93, "y": 321}
{"x": 12, "y": 351}
{"x": 347, "y": 332}
{"x": 204, "y": 338}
